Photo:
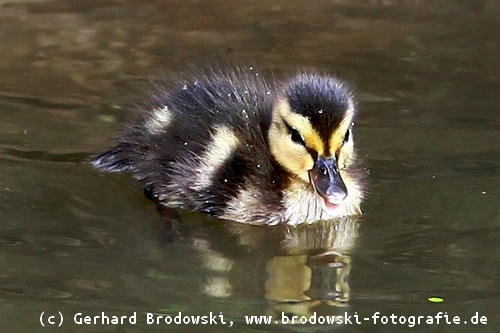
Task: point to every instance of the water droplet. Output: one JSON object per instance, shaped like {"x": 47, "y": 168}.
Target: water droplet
{"x": 258, "y": 166}
{"x": 184, "y": 87}
{"x": 251, "y": 68}
{"x": 230, "y": 95}
{"x": 320, "y": 111}
{"x": 185, "y": 143}
{"x": 268, "y": 92}
{"x": 225, "y": 180}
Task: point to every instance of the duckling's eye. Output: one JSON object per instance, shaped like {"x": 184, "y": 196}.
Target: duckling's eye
{"x": 346, "y": 137}
{"x": 295, "y": 135}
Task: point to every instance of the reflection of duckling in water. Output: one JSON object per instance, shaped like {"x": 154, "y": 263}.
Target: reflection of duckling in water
{"x": 298, "y": 270}
{"x": 231, "y": 145}
{"x": 315, "y": 270}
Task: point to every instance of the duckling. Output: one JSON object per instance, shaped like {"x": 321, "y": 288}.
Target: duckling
{"x": 235, "y": 146}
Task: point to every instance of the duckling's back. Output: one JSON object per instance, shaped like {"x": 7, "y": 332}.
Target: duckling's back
{"x": 203, "y": 146}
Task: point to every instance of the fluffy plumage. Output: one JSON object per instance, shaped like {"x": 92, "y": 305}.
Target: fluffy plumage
{"x": 230, "y": 144}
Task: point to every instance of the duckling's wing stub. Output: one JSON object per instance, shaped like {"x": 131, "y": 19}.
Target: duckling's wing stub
{"x": 116, "y": 159}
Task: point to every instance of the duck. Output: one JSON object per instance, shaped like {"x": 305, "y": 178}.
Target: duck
{"x": 240, "y": 147}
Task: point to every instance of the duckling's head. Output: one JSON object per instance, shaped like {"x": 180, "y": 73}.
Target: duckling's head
{"x": 310, "y": 135}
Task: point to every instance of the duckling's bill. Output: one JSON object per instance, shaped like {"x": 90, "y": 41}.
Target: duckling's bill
{"x": 328, "y": 184}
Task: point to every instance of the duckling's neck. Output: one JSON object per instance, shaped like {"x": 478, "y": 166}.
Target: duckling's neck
{"x": 303, "y": 205}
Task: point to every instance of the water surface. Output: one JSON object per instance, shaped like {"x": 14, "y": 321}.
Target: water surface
{"x": 73, "y": 240}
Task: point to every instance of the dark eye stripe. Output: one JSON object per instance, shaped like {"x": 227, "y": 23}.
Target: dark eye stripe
{"x": 347, "y": 135}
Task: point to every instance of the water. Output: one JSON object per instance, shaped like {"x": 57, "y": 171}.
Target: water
{"x": 75, "y": 241}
